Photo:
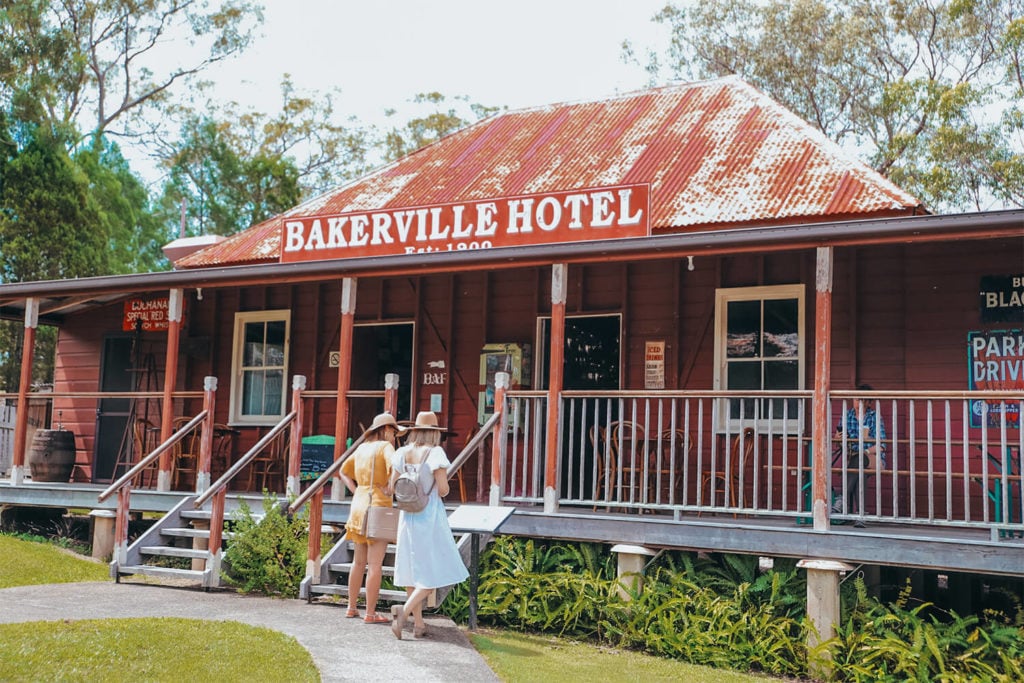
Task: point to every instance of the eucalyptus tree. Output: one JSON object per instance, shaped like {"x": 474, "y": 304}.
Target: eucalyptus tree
{"x": 928, "y": 92}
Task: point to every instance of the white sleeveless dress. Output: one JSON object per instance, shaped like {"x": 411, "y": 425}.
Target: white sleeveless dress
{"x": 426, "y": 556}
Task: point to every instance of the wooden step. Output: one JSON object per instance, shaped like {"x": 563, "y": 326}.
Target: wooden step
{"x": 189, "y": 532}
{"x": 186, "y": 532}
{"x": 346, "y": 567}
{"x": 387, "y": 595}
{"x": 169, "y": 551}
{"x": 167, "y": 572}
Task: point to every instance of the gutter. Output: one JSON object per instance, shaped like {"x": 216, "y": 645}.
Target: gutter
{"x": 903, "y": 230}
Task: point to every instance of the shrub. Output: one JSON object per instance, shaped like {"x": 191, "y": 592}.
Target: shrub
{"x": 267, "y": 553}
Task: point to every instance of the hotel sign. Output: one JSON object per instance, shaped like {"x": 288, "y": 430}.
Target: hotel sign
{"x": 546, "y": 218}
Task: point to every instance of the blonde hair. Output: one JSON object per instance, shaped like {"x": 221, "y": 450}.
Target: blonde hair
{"x": 424, "y": 437}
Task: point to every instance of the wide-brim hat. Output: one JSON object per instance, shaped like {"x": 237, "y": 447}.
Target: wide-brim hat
{"x": 385, "y": 420}
{"x": 426, "y": 420}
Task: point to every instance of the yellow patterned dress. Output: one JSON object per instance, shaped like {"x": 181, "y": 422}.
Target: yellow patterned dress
{"x": 359, "y": 468}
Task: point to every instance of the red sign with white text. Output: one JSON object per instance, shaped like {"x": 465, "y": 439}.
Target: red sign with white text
{"x": 547, "y": 218}
{"x": 151, "y": 315}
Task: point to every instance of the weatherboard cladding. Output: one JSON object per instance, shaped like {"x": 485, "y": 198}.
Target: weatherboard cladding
{"x": 715, "y": 153}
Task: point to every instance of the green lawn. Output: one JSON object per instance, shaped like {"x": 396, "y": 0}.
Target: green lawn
{"x": 164, "y": 649}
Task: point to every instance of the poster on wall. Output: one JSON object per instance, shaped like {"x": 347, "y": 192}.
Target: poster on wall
{"x": 1002, "y": 298}
{"x": 996, "y": 363}
{"x": 654, "y": 365}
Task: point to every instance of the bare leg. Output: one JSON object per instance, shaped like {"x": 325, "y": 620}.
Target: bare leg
{"x": 355, "y": 577}
{"x": 412, "y": 604}
{"x": 377, "y": 550}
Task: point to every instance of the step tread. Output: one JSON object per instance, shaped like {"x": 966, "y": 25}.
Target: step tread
{"x": 170, "y": 551}
{"x": 188, "y": 532}
{"x": 338, "y": 589}
{"x": 346, "y": 567}
{"x": 151, "y": 570}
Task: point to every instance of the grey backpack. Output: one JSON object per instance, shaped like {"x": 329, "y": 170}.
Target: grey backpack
{"x": 413, "y": 486}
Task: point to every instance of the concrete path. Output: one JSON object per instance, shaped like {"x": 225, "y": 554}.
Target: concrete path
{"x": 343, "y": 649}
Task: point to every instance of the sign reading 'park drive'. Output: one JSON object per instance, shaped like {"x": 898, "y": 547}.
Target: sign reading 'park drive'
{"x": 548, "y": 218}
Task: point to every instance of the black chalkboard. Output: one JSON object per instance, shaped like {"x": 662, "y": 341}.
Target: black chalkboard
{"x": 317, "y": 456}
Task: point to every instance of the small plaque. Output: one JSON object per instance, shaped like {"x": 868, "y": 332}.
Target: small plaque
{"x": 479, "y": 518}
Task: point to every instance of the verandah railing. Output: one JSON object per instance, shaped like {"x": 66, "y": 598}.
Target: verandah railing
{"x": 951, "y": 458}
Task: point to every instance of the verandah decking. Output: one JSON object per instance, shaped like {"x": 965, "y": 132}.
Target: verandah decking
{"x": 730, "y": 472}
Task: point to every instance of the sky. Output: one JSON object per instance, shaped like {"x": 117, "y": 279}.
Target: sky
{"x": 381, "y": 53}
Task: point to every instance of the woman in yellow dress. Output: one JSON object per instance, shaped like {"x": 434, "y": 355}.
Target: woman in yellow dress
{"x": 369, "y": 469}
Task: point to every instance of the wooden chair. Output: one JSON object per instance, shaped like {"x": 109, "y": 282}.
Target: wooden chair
{"x": 722, "y": 484}
{"x": 185, "y": 458}
{"x": 666, "y": 473}
{"x": 144, "y": 437}
{"x": 629, "y": 459}
{"x": 597, "y": 435}
{"x": 268, "y": 466}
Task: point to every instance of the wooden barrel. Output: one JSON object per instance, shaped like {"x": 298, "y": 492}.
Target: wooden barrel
{"x": 52, "y": 457}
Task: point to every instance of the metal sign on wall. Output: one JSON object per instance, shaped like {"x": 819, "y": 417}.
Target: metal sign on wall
{"x": 996, "y": 363}
{"x": 1002, "y": 298}
{"x": 544, "y": 218}
{"x": 149, "y": 314}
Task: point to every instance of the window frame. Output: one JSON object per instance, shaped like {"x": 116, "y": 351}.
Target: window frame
{"x": 238, "y": 370}
{"x": 723, "y": 297}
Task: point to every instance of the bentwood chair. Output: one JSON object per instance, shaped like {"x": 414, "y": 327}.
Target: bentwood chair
{"x": 185, "y": 459}
{"x": 629, "y": 459}
{"x": 722, "y": 482}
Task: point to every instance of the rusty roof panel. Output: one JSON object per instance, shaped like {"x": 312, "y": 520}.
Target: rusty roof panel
{"x": 716, "y": 153}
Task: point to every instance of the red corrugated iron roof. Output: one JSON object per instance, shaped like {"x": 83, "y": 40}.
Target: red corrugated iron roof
{"x": 716, "y": 154}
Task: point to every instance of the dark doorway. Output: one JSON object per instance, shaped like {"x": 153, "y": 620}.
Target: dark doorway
{"x": 112, "y": 415}
{"x": 592, "y": 362}
{"x": 376, "y": 351}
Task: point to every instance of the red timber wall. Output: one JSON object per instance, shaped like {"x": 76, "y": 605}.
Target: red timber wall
{"x": 901, "y": 314}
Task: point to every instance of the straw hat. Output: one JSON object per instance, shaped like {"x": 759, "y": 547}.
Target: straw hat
{"x": 385, "y": 420}
{"x": 426, "y": 420}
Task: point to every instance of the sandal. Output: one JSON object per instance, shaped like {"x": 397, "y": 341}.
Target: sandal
{"x": 351, "y": 613}
{"x": 376, "y": 619}
{"x": 398, "y": 621}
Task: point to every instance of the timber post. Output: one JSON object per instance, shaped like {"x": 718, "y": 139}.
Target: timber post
{"x": 559, "y": 285}
{"x": 21, "y": 419}
{"x": 348, "y": 313}
{"x": 501, "y": 382}
{"x": 295, "y": 442}
{"x": 391, "y": 393}
{"x": 823, "y": 609}
{"x": 174, "y": 309}
{"x": 206, "y": 435}
{"x": 820, "y": 429}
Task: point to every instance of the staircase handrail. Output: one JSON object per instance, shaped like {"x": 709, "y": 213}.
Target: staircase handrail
{"x": 174, "y": 438}
{"x": 473, "y": 444}
{"x": 325, "y": 476}
{"x": 241, "y": 463}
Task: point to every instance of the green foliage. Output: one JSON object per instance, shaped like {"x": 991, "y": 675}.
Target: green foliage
{"x": 926, "y": 92}
{"x": 722, "y": 611}
{"x": 434, "y": 124}
{"x": 900, "y": 642}
{"x": 88, "y": 65}
{"x": 267, "y": 553}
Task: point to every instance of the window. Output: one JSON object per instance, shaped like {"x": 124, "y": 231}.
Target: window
{"x": 759, "y": 346}
{"x": 259, "y": 367}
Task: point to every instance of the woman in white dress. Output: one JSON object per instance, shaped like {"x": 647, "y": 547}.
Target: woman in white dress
{"x": 426, "y": 557}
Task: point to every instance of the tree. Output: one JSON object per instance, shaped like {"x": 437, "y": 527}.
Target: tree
{"x": 928, "y": 91}
{"x": 235, "y": 168}
{"x": 86, "y": 64}
{"x": 423, "y": 130}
